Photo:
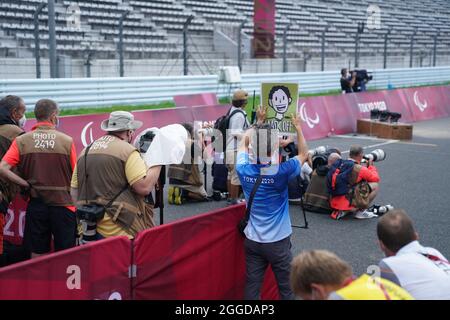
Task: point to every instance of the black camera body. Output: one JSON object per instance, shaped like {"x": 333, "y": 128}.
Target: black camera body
{"x": 362, "y": 75}
{"x": 90, "y": 212}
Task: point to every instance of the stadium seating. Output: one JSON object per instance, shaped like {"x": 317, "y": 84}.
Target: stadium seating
{"x": 153, "y": 28}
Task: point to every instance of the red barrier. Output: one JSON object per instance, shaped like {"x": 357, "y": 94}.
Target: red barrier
{"x": 95, "y": 271}
{"x": 445, "y": 91}
{"x": 314, "y": 114}
{"x": 200, "y": 99}
{"x": 196, "y": 258}
{"x": 342, "y": 113}
{"x": 425, "y": 103}
{"x": 15, "y": 221}
{"x": 209, "y": 113}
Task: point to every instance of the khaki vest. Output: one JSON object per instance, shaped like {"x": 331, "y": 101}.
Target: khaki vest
{"x": 316, "y": 196}
{"x": 45, "y": 164}
{"x": 8, "y": 132}
{"x": 106, "y": 177}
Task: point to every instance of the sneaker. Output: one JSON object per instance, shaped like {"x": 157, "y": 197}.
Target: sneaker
{"x": 380, "y": 210}
{"x": 365, "y": 214}
{"x": 338, "y": 214}
{"x": 171, "y": 195}
{"x": 177, "y": 196}
{"x": 232, "y": 202}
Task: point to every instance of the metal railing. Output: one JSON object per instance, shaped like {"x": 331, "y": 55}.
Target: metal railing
{"x": 96, "y": 92}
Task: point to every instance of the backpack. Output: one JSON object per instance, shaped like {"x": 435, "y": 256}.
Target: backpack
{"x": 222, "y": 124}
{"x": 339, "y": 176}
{"x": 341, "y": 181}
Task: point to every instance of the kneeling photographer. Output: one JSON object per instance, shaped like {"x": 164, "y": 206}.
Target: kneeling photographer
{"x": 111, "y": 181}
{"x": 353, "y": 184}
{"x": 317, "y": 198}
{"x": 185, "y": 183}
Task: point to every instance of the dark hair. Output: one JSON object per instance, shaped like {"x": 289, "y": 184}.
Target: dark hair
{"x": 283, "y": 88}
{"x": 395, "y": 229}
{"x": 10, "y": 103}
{"x": 44, "y": 109}
{"x": 355, "y": 151}
{"x": 343, "y": 71}
{"x": 238, "y": 103}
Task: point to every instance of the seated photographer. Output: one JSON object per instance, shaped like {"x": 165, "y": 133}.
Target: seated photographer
{"x": 423, "y": 271}
{"x": 347, "y": 81}
{"x": 352, "y": 186}
{"x": 316, "y": 195}
{"x": 322, "y": 275}
{"x": 185, "y": 183}
{"x": 111, "y": 181}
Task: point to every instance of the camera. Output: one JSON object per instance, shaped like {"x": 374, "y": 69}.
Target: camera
{"x": 362, "y": 77}
{"x": 145, "y": 141}
{"x": 375, "y": 156}
{"x": 89, "y": 215}
{"x": 319, "y": 155}
{"x": 385, "y": 116}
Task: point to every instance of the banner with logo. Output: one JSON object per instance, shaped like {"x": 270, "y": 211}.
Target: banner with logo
{"x": 342, "y": 112}
{"x": 94, "y": 271}
{"x": 314, "y": 115}
{"x": 425, "y": 103}
{"x": 196, "y": 258}
{"x": 281, "y": 99}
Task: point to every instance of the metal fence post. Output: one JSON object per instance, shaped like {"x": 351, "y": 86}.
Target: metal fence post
{"x": 285, "y": 31}
{"x": 88, "y": 64}
{"x": 37, "y": 49}
{"x": 359, "y": 31}
{"x": 435, "y": 48}
{"x": 386, "y": 36}
{"x": 52, "y": 39}
{"x": 239, "y": 48}
{"x": 322, "y": 58}
{"x": 122, "y": 18}
{"x": 411, "y": 48}
{"x": 185, "y": 49}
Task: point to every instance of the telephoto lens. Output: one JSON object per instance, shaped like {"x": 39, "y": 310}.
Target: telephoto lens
{"x": 376, "y": 155}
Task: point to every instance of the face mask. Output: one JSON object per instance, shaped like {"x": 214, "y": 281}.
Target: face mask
{"x": 22, "y": 121}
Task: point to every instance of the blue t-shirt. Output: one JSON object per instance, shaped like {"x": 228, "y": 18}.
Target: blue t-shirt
{"x": 269, "y": 217}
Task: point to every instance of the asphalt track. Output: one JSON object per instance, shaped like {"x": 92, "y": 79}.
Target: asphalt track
{"x": 415, "y": 176}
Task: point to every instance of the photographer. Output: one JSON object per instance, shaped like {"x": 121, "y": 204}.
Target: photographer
{"x": 111, "y": 180}
{"x": 269, "y": 227}
{"x": 316, "y": 195}
{"x": 185, "y": 181}
{"x": 344, "y": 178}
{"x": 347, "y": 81}
{"x": 12, "y": 116}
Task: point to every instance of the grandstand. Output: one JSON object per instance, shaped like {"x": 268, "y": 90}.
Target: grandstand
{"x": 152, "y": 29}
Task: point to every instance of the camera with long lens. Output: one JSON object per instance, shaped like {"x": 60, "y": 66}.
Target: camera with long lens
{"x": 88, "y": 215}
{"x": 375, "y": 156}
{"x": 362, "y": 77}
{"x": 319, "y": 155}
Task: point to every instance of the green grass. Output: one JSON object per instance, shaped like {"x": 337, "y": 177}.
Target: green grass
{"x": 170, "y": 104}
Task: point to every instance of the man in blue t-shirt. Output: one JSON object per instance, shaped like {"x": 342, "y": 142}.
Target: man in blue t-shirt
{"x": 269, "y": 227}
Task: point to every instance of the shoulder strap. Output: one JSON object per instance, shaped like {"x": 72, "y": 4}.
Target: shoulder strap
{"x": 252, "y": 195}
{"x": 85, "y": 169}
{"x": 86, "y": 174}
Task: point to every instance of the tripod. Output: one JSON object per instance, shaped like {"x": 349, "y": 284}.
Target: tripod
{"x": 305, "y": 226}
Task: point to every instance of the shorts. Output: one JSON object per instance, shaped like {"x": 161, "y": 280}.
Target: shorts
{"x": 43, "y": 222}
{"x": 231, "y": 166}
